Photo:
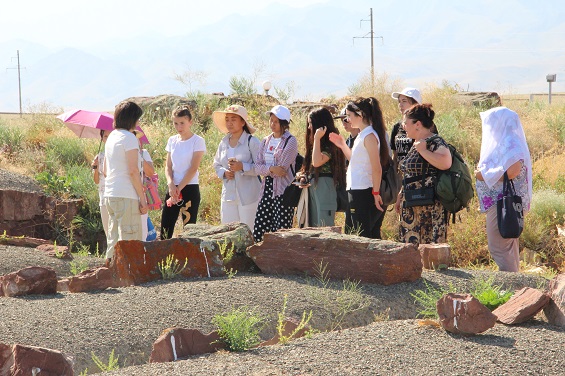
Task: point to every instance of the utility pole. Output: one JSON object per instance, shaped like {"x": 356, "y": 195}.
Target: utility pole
{"x": 19, "y": 80}
{"x": 372, "y": 36}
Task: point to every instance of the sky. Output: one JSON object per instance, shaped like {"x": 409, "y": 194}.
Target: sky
{"x": 483, "y": 45}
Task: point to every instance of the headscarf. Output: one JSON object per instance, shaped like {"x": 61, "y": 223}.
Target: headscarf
{"x": 503, "y": 144}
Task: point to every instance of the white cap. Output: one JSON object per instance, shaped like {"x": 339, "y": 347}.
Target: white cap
{"x": 281, "y": 112}
{"x": 411, "y": 92}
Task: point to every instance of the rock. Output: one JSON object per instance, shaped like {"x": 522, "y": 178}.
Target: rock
{"x": 434, "y": 255}
{"x": 464, "y": 314}
{"x": 555, "y": 309}
{"x": 19, "y": 360}
{"x": 178, "y": 343}
{"x": 59, "y": 251}
{"x": 23, "y": 241}
{"x": 289, "y": 326}
{"x": 301, "y": 251}
{"x": 487, "y": 99}
{"x": 234, "y": 235}
{"x": 522, "y": 306}
{"x": 96, "y": 279}
{"x": 25, "y": 210}
{"x": 63, "y": 285}
{"x": 137, "y": 262}
{"x": 33, "y": 280}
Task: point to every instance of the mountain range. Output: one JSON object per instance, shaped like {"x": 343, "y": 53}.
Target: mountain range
{"x": 312, "y": 48}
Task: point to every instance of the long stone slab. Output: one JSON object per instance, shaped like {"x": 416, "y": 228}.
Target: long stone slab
{"x": 302, "y": 251}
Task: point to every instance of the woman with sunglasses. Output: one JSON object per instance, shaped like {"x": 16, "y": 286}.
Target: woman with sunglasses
{"x": 364, "y": 172}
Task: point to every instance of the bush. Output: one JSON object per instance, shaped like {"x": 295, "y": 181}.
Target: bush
{"x": 239, "y": 328}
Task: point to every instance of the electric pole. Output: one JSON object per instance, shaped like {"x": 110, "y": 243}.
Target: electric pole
{"x": 19, "y": 80}
{"x": 371, "y": 35}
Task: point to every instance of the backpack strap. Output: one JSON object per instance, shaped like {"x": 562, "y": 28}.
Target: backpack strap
{"x": 284, "y": 146}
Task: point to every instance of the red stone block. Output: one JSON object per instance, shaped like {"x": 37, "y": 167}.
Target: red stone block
{"x": 136, "y": 262}
{"x": 555, "y": 309}
{"x": 464, "y": 314}
{"x": 299, "y": 252}
{"x": 522, "y": 306}
{"x": 434, "y": 255}
{"x": 179, "y": 343}
{"x": 29, "y": 281}
{"x": 19, "y": 360}
{"x": 96, "y": 279}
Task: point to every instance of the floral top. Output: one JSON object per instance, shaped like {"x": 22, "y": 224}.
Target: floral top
{"x": 489, "y": 196}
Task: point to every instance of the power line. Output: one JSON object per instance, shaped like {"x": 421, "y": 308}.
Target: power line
{"x": 19, "y": 80}
{"x": 371, "y": 35}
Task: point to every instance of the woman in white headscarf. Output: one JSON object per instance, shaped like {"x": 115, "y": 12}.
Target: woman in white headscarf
{"x": 503, "y": 149}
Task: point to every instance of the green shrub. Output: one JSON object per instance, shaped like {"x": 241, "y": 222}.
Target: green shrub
{"x": 427, "y": 299}
{"x": 239, "y": 328}
{"x": 488, "y": 293}
{"x": 64, "y": 151}
{"x": 11, "y": 140}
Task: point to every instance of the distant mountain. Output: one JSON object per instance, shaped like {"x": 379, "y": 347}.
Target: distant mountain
{"x": 425, "y": 42}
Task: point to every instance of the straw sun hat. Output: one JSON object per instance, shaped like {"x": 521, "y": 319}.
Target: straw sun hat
{"x": 219, "y": 117}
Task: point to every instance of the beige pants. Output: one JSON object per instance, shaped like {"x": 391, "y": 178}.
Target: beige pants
{"x": 505, "y": 252}
{"x": 124, "y": 221}
{"x": 104, "y": 216}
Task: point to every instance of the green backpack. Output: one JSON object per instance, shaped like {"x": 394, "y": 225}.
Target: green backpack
{"x": 454, "y": 187}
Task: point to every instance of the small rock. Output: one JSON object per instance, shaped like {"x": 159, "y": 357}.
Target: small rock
{"x": 179, "y": 343}
{"x": 464, "y": 314}
{"x": 33, "y": 280}
{"x": 522, "y": 306}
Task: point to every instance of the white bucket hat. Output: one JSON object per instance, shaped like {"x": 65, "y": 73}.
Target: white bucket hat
{"x": 219, "y": 117}
{"x": 411, "y": 92}
{"x": 281, "y": 112}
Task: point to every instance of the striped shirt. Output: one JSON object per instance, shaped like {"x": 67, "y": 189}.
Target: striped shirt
{"x": 284, "y": 156}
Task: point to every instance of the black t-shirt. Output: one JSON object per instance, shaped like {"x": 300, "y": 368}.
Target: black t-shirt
{"x": 399, "y": 141}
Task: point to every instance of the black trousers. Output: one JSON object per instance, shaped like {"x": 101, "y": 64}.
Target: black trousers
{"x": 187, "y": 207}
{"x": 365, "y": 217}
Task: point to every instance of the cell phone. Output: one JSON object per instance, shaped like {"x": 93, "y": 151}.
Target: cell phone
{"x": 232, "y": 159}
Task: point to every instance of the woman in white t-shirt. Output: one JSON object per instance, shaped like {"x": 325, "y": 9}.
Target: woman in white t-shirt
{"x": 98, "y": 176}
{"x": 364, "y": 172}
{"x": 123, "y": 192}
{"x": 184, "y": 154}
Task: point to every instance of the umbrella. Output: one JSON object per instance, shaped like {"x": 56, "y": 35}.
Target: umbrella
{"x": 88, "y": 124}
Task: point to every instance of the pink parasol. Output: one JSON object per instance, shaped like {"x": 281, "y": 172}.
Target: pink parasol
{"x": 88, "y": 124}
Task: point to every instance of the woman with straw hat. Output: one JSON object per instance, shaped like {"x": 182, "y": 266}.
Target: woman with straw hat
{"x": 234, "y": 163}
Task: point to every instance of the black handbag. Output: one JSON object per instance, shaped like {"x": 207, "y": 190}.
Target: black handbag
{"x": 291, "y": 195}
{"x": 342, "y": 198}
{"x": 419, "y": 197}
{"x": 509, "y": 211}
{"x": 390, "y": 183}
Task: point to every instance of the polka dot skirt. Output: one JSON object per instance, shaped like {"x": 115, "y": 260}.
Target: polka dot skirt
{"x": 272, "y": 215}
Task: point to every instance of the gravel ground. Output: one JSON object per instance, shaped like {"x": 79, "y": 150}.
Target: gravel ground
{"x": 129, "y": 320}
{"x": 18, "y": 182}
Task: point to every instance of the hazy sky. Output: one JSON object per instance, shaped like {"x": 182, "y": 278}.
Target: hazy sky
{"x": 75, "y": 23}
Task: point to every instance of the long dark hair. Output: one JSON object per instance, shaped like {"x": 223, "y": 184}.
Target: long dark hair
{"x": 371, "y": 111}
{"x": 323, "y": 118}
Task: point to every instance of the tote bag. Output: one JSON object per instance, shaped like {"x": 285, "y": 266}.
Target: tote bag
{"x": 509, "y": 211}
{"x": 150, "y": 186}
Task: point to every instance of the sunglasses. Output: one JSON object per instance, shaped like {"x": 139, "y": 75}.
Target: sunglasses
{"x": 345, "y": 120}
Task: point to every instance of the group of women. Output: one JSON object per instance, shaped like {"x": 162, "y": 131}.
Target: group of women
{"x": 255, "y": 173}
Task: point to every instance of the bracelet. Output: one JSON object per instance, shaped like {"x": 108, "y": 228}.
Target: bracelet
{"x": 376, "y": 193}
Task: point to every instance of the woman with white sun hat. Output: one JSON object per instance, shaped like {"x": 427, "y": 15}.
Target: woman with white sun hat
{"x": 234, "y": 163}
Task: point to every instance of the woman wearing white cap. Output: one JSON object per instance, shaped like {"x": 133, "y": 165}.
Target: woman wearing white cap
{"x": 400, "y": 143}
{"x": 504, "y": 150}
{"x": 234, "y": 163}
{"x": 277, "y": 153}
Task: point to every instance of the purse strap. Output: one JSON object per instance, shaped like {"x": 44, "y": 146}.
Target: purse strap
{"x": 508, "y": 186}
